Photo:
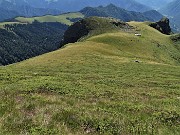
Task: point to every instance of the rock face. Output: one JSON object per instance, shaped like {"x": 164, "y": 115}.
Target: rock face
{"x": 162, "y": 26}
{"x": 92, "y": 26}
{"x": 75, "y": 32}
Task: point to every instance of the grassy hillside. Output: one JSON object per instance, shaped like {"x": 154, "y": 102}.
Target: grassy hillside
{"x": 19, "y": 42}
{"x": 92, "y": 26}
{"x": 96, "y": 87}
{"x": 38, "y": 35}
{"x": 151, "y": 45}
{"x": 63, "y": 18}
{"x": 67, "y": 19}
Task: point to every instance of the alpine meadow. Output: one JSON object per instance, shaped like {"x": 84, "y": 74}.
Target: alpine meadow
{"x": 89, "y": 70}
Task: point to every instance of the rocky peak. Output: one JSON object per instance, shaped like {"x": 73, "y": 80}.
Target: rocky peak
{"x": 162, "y": 26}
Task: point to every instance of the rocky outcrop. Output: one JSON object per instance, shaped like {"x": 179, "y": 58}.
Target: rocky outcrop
{"x": 162, "y": 26}
{"x": 92, "y": 26}
{"x": 75, "y": 32}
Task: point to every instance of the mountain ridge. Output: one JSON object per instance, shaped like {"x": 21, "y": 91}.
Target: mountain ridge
{"x": 116, "y": 12}
{"x": 7, "y": 14}
{"x": 24, "y": 10}
{"x": 68, "y": 6}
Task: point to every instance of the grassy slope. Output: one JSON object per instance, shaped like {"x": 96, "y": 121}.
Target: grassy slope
{"x": 95, "y": 86}
{"x": 48, "y": 18}
{"x": 151, "y": 46}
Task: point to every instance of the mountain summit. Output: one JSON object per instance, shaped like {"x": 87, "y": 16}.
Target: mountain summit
{"x": 69, "y": 5}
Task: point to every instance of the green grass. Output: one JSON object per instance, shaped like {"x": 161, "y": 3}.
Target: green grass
{"x": 63, "y": 18}
{"x": 152, "y": 45}
{"x": 95, "y": 86}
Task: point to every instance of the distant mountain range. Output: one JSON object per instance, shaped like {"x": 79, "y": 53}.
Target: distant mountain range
{"x": 5, "y": 14}
{"x": 155, "y": 4}
{"x": 76, "y": 5}
{"x": 172, "y": 10}
{"x": 29, "y": 8}
{"x": 122, "y": 14}
{"x": 130, "y": 5}
{"x": 11, "y": 9}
